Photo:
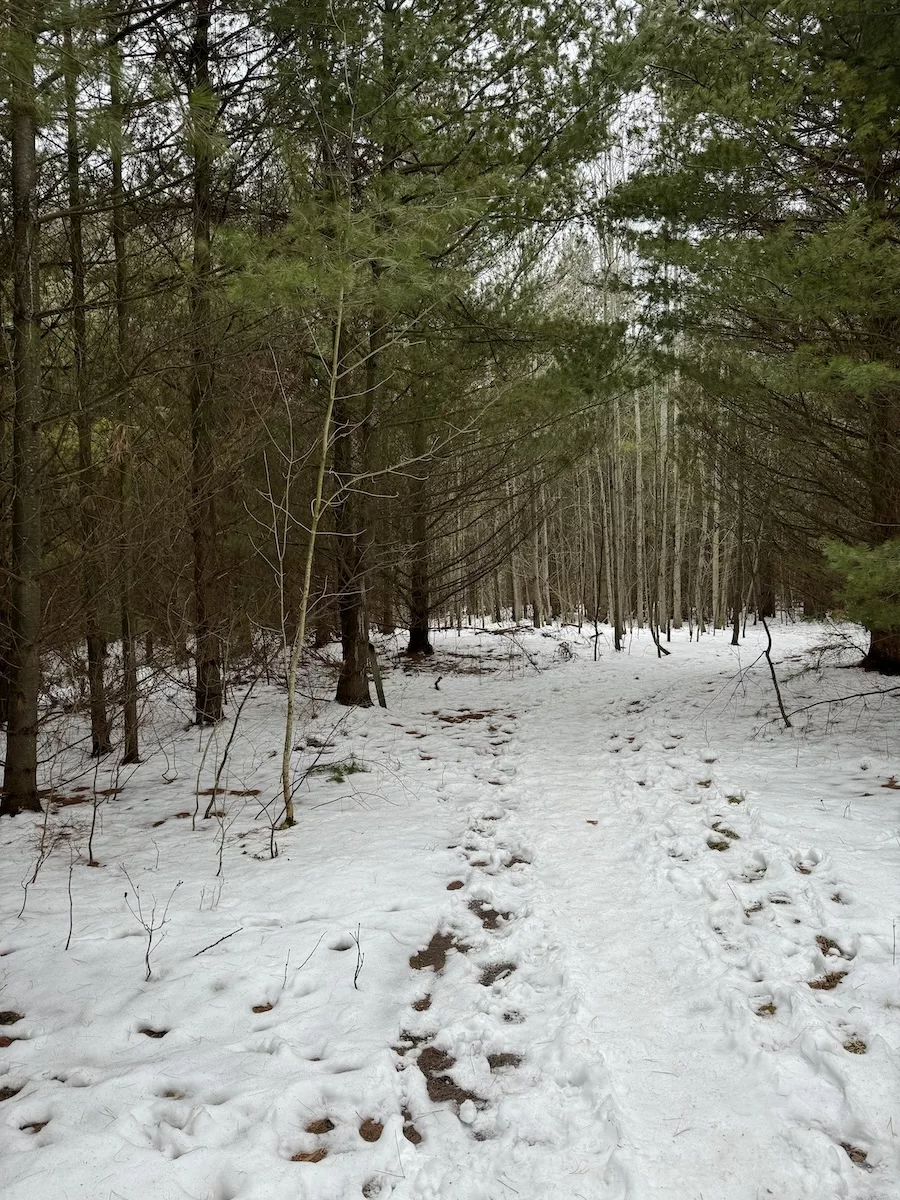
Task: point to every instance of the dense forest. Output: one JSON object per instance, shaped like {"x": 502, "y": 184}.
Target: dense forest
{"x": 322, "y": 319}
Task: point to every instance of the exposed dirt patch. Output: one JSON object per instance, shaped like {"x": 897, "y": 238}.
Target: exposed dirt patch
{"x": 766, "y": 1010}
{"x": 182, "y": 815}
{"x": 513, "y": 1017}
{"x": 434, "y": 1064}
{"x": 458, "y": 718}
{"x": 827, "y": 983}
{"x": 68, "y": 801}
{"x": 442, "y": 1088}
{"x": 7, "y": 1093}
{"x": 455, "y": 885}
{"x": 7, "y": 1041}
{"x": 34, "y": 1126}
{"x": 718, "y": 843}
{"x": 153, "y": 1033}
{"x": 435, "y": 953}
{"x": 838, "y": 898}
{"x": 431, "y": 1060}
{"x": 726, "y": 832}
{"x": 855, "y": 1154}
{"x": 517, "y": 861}
{"x": 590, "y": 822}
{"x": 779, "y": 899}
{"x": 9, "y": 1017}
{"x": 755, "y": 907}
{"x": 409, "y": 1041}
{"x": 497, "y": 1062}
{"x": 310, "y": 1155}
{"x": 409, "y": 1130}
{"x": 320, "y": 1125}
{"x": 495, "y": 971}
{"x": 422, "y": 1004}
{"x": 704, "y": 783}
{"x": 490, "y": 918}
{"x": 827, "y": 944}
{"x": 371, "y": 1130}
{"x": 245, "y": 792}
{"x": 735, "y": 799}
{"x": 856, "y": 1046}
{"x": 261, "y": 1008}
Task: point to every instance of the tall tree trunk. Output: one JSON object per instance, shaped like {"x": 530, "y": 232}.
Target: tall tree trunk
{"x": 537, "y": 590}
{"x": 101, "y": 742}
{"x": 20, "y": 770}
{"x": 716, "y": 553}
{"x": 515, "y": 568}
{"x": 419, "y": 598}
{"x": 208, "y": 647}
{"x": 737, "y": 593}
{"x": 639, "y": 537}
{"x": 678, "y": 511}
{"x": 130, "y": 737}
{"x": 353, "y": 680}
{"x": 700, "y": 576}
{"x": 883, "y": 654}
{"x": 662, "y": 502}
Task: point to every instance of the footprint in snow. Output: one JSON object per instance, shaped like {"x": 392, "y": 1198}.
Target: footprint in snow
{"x": 807, "y": 861}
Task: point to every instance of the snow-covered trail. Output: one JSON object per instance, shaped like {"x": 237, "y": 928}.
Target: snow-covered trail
{"x": 692, "y": 1121}
{"x": 616, "y": 936}
{"x": 694, "y": 931}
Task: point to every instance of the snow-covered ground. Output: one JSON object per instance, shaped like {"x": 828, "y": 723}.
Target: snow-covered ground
{"x": 554, "y": 929}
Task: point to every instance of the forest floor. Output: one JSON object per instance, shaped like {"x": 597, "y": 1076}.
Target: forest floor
{"x": 546, "y": 928}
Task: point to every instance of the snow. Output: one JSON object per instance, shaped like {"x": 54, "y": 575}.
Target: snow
{"x": 634, "y": 872}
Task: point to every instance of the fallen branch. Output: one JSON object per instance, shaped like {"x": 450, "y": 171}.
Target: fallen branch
{"x": 843, "y": 699}
{"x": 768, "y": 653}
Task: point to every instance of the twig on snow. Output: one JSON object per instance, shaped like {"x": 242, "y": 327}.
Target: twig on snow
{"x": 221, "y": 939}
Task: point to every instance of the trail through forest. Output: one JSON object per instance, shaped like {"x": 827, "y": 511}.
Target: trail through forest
{"x": 547, "y": 927}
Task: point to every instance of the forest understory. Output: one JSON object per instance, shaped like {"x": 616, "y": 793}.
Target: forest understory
{"x": 546, "y": 926}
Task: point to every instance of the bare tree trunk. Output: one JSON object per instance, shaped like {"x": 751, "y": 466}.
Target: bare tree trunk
{"x": 353, "y": 681}
{"x": 640, "y": 535}
{"x": 208, "y": 648}
{"x": 515, "y": 570}
{"x": 737, "y": 593}
{"x": 537, "y": 591}
{"x": 662, "y": 501}
{"x": 678, "y": 533}
{"x": 20, "y": 769}
{"x": 130, "y": 741}
{"x": 101, "y": 742}
{"x": 419, "y": 599}
{"x": 883, "y": 654}
{"x": 700, "y": 577}
{"x": 716, "y": 558}
{"x": 550, "y": 610}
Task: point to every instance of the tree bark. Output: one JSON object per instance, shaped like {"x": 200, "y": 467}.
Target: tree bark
{"x": 419, "y": 599}
{"x": 101, "y": 742}
{"x": 208, "y": 649}
{"x": 122, "y": 450}
{"x": 353, "y": 681}
{"x": 20, "y": 770}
